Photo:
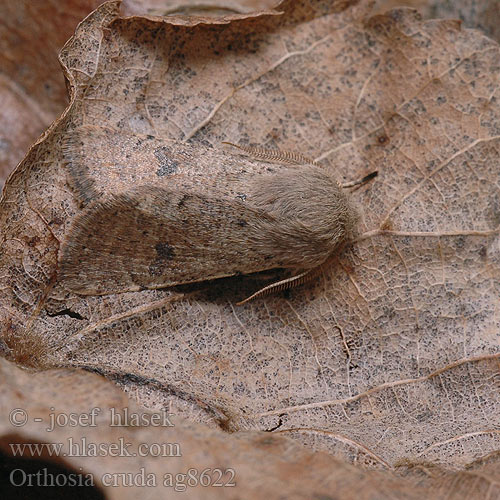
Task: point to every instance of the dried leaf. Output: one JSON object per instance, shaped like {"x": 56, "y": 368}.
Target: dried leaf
{"x": 32, "y": 89}
{"x": 482, "y": 15}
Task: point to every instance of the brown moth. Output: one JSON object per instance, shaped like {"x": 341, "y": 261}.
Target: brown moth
{"x": 154, "y": 236}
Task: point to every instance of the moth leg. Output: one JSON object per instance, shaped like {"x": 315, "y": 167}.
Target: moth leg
{"x": 366, "y": 178}
{"x": 275, "y": 155}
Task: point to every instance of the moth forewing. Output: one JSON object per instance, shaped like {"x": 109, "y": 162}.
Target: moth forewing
{"x": 152, "y": 237}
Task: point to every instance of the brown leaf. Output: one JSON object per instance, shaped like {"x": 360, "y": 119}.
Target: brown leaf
{"x": 214, "y": 8}
{"x": 32, "y": 89}
{"x": 83, "y": 411}
{"x": 480, "y": 15}
{"x": 389, "y": 359}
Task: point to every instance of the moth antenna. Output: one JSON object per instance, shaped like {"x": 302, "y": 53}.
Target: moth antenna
{"x": 366, "y": 178}
{"x": 278, "y": 286}
{"x": 275, "y": 155}
{"x": 294, "y": 158}
{"x": 288, "y": 283}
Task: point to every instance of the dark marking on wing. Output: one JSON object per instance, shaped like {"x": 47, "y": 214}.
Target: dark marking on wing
{"x": 167, "y": 165}
{"x": 164, "y": 251}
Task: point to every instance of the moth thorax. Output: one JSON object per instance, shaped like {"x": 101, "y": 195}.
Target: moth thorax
{"x": 310, "y": 197}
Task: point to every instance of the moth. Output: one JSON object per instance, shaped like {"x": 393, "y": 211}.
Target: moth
{"x": 154, "y": 236}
